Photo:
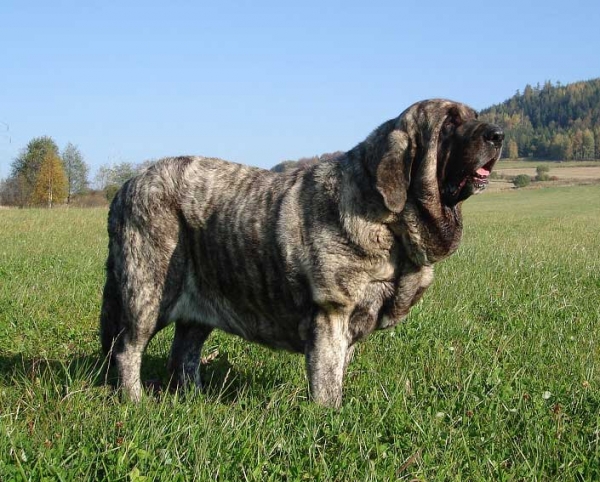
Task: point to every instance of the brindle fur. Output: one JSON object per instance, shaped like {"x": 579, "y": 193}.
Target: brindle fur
{"x": 310, "y": 261}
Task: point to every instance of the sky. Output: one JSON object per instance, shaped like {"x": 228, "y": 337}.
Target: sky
{"x": 259, "y": 82}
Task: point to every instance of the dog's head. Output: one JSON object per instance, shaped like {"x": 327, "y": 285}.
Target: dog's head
{"x": 435, "y": 150}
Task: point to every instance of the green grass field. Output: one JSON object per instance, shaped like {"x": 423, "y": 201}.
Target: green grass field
{"x": 494, "y": 375}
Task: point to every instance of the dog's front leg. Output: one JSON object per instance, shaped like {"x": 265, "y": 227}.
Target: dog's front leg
{"x": 326, "y": 354}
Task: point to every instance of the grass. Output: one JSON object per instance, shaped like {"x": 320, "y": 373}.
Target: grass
{"x": 492, "y": 377}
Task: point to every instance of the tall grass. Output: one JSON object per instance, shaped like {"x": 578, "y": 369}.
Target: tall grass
{"x": 493, "y": 376}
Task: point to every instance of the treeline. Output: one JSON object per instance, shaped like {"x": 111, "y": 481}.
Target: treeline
{"x": 551, "y": 121}
{"x": 43, "y": 176}
{"x": 109, "y": 179}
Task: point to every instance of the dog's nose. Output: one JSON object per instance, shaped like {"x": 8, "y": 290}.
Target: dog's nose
{"x": 494, "y": 134}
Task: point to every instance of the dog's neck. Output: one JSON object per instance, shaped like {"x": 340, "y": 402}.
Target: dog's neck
{"x": 428, "y": 233}
{"x": 427, "y": 230}
{"x": 362, "y": 215}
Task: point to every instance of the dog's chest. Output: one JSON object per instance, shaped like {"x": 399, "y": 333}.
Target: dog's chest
{"x": 409, "y": 289}
{"x": 386, "y": 302}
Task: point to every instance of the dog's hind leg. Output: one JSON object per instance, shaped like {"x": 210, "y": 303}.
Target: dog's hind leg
{"x": 140, "y": 325}
{"x": 184, "y": 360}
{"x": 122, "y": 342}
{"x": 145, "y": 291}
{"x": 145, "y": 268}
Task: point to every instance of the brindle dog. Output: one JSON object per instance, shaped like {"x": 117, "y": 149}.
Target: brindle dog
{"x": 311, "y": 261}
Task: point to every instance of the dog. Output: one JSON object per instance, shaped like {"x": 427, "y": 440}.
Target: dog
{"x": 311, "y": 260}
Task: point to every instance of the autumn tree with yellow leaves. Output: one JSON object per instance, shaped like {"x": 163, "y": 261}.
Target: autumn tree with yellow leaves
{"x": 51, "y": 184}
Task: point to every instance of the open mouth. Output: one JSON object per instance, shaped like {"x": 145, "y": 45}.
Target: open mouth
{"x": 478, "y": 180}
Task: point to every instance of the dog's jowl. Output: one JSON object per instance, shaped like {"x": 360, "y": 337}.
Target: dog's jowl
{"x": 311, "y": 260}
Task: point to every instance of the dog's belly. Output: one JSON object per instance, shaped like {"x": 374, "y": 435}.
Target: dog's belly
{"x": 280, "y": 328}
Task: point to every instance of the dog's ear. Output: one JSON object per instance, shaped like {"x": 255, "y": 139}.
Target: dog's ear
{"x": 389, "y": 162}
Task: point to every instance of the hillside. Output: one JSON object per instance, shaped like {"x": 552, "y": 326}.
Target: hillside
{"x": 553, "y": 121}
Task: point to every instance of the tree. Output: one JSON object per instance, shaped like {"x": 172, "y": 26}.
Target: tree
{"x": 76, "y": 171}
{"x": 597, "y": 142}
{"x": 31, "y": 158}
{"x": 561, "y": 147}
{"x": 12, "y": 191}
{"x": 111, "y": 191}
{"x": 51, "y": 185}
{"x": 117, "y": 175}
{"x": 512, "y": 149}
{"x": 577, "y": 140}
{"x": 102, "y": 178}
{"x": 123, "y": 172}
{"x": 589, "y": 146}
{"x": 110, "y": 178}
{"x": 25, "y": 167}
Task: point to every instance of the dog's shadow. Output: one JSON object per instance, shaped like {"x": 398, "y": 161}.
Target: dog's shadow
{"x": 221, "y": 380}
{"x": 18, "y": 369}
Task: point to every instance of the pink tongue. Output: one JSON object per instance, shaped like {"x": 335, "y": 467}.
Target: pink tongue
{"x": 483, "y": 172}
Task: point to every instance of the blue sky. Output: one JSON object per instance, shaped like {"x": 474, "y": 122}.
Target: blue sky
{"x": 260, "y": 82}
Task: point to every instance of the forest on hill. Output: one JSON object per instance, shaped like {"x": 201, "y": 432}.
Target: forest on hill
{"x": 551, "y": 121}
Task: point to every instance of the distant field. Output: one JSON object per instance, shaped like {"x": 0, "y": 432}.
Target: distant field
{"x": 494, "y": 376}
{"x": 567, "y": 172}
{"x": 532, "y": 163}
{"x": 572, "y": 172}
